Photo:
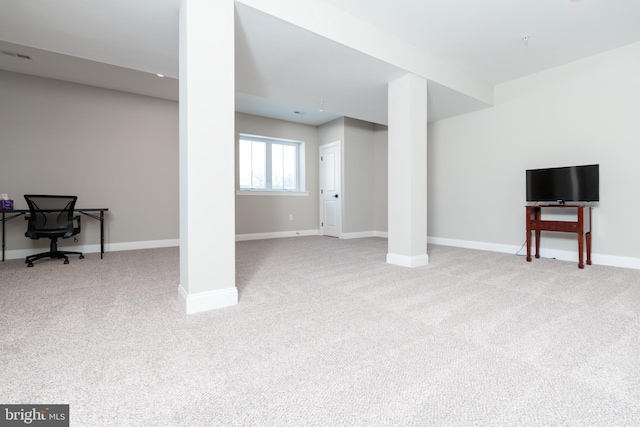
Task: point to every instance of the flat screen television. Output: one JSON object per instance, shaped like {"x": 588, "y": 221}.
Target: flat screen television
{"x": 565, "y": 184}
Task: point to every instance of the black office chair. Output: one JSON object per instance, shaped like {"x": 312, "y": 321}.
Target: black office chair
{"x": 51, "y": 217}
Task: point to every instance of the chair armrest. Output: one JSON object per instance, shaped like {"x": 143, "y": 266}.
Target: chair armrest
{"x": 75, "y": 227}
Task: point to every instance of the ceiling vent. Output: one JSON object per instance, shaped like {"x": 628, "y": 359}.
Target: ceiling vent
{"x": 15, "y": 54}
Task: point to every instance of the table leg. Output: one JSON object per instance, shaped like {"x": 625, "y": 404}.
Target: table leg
{"x": 2, "y": 236}
{"x": 580, "y": 249}
{"x": 538, "y": 216}
{"x": 588, "y": 235}
{"x": 101, "y": 234}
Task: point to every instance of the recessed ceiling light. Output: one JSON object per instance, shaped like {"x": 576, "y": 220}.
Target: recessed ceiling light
{"x": 160, "y": 75}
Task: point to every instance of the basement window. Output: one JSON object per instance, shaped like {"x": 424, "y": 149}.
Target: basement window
{"x": 270, "y": 164}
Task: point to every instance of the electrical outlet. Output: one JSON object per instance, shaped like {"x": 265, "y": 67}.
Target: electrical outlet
{"x": 290, "y": 217}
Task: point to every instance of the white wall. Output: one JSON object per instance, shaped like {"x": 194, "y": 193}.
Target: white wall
{"x": 111, "y": 149}
{"x": 581, "y": 113}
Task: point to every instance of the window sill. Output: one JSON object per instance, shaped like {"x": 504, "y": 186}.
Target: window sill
{"x": 271, "y": 193}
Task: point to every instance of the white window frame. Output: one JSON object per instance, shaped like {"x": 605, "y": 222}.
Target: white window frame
{"x": 301, "y": 187}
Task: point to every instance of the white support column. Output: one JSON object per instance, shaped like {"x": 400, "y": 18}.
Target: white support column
{"x": 207, "y": 201}
{"x": 408, "y": 172}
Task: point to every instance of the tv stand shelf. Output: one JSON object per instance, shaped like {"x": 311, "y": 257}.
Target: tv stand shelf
{"x": 582, "y": 227}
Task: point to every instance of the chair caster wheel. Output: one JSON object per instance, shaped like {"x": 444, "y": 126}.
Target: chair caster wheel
{"x": 81, "y": 257}
{"x": 30, "y": 264}
{"x": 66, "y": 261}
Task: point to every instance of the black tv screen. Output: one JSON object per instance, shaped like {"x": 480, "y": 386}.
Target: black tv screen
{"x": 566, "y": 184}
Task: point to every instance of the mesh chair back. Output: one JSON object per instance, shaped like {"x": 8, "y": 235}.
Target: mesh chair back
{"x": 50, "y": 214}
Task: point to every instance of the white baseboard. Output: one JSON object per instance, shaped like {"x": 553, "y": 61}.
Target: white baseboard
{"x": 95, "y": 248}
{"x": 23, "y": 253}
{"x": 363, "y": 234}
{"x": 470, "y": 244}
{"x": 204, "y": 301}
{"x": 357, "y": 235}
{"x": 616, "y": 261}
{"x": 129, "y": 246}
{"x": 280, "y": 234}
{"x": 563, "y": 255}
{"x": 408, "y": 261}
{"x": 598, "y": 259}
{"x": 275, "y": 235}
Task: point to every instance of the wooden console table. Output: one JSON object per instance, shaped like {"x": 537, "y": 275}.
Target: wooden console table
{"x": 582, "y": 227}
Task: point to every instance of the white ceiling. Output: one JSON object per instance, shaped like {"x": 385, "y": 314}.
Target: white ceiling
{"x": 284, "y": 71}
{"x": 484, "y": 37}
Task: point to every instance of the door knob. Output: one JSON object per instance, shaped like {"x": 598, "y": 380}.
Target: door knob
{"x": 336, "y": 196}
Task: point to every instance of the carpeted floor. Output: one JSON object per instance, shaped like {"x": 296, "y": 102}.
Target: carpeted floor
{"x": 325, "y": 333}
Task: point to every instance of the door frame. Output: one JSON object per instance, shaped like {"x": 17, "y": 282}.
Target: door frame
{"x": 321, "y": 195}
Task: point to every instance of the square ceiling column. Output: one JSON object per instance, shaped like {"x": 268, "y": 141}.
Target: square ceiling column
{"x": 207, "y": 159}
{"x": 407, "y": 200}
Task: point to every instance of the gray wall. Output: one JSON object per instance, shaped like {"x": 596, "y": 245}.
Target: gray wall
{"x": 380, "y": 179}
{"x": 120, "y": 151}
{"x": 581, "y": 113}
{"x": 364, "y": 172}
{"x": 331, "y": 132}
{"x": 358, "y": 168}
{"x": 269, "y": 214}
{"x": 111, "y": 149}
{"x": 362, "y": 202}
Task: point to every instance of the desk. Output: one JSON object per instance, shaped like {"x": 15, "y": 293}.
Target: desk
{"x": 582, "y": 227}
{"x": 14, "y": 213}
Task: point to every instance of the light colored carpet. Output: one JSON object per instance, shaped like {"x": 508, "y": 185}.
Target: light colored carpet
{"x": 326, "y": 333}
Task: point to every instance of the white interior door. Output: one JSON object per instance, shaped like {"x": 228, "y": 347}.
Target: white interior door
{"x": 330, "y": 190}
